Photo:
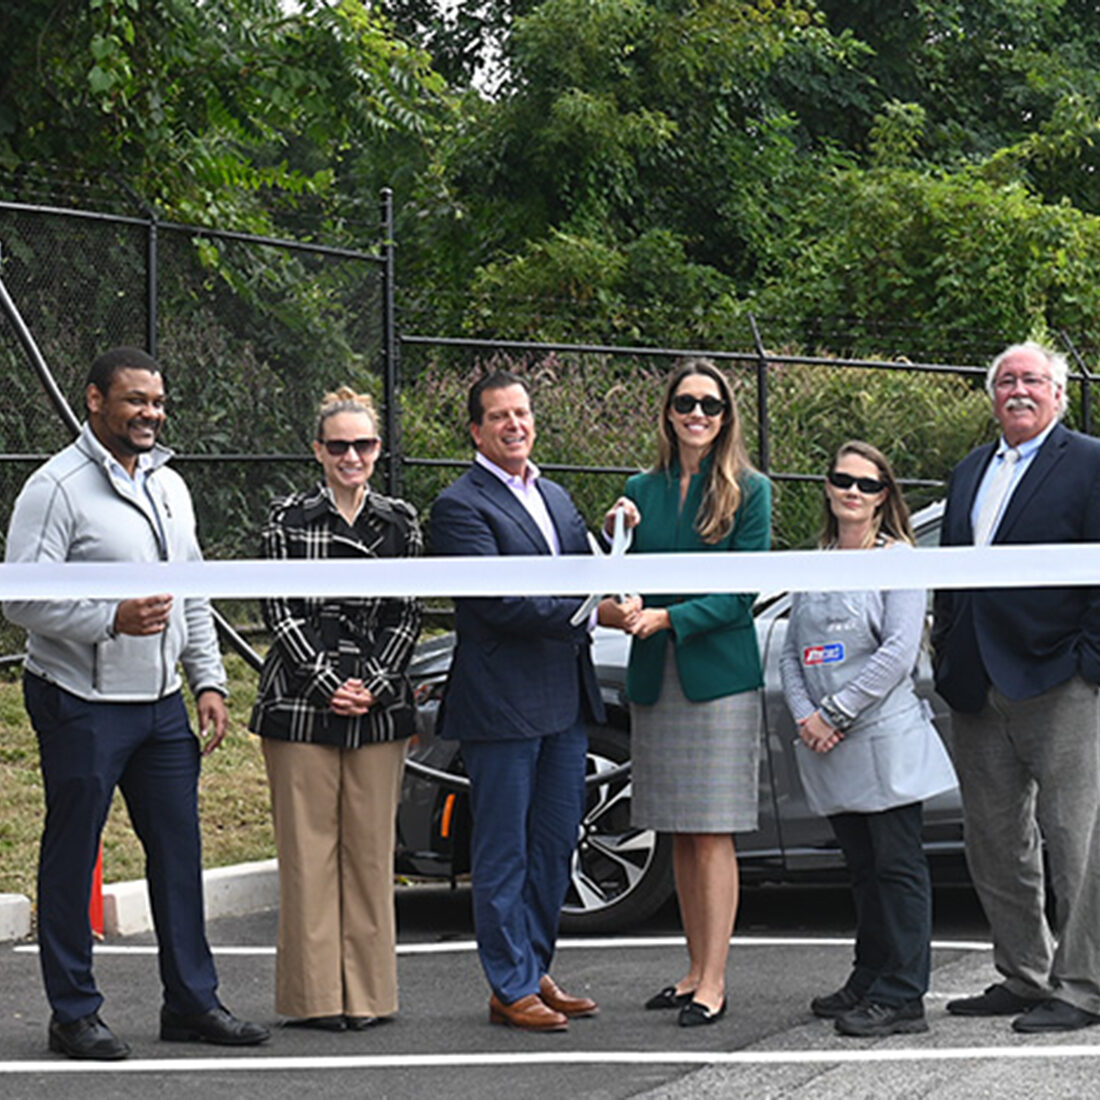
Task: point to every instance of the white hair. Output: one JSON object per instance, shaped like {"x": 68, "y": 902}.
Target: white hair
{"x": 1059, "y": 369}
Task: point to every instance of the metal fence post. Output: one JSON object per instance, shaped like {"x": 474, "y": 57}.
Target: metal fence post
{"x": 1086, "y": 383}
{"x": 152, "y": 319}
{"x": 389, "y": 349}
{"x": 764, "y": 455}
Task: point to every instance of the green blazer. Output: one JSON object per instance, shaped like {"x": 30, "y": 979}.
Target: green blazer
{"x": 714, "y": 636}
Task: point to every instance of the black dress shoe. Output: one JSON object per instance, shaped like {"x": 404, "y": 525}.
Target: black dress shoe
{"x": 318, "y": 1023}
{"x": 219, "y": 1026}
{"x": 668, "y": 998}
{"x": 997, "y": 1000}
{"x": 1054, "y": 1015}
{"x": 832, "y": 1005}
{"x": 87, "y": 1037}
{"x": 694, "y": 1014}
{"x": 362, "y": 1023}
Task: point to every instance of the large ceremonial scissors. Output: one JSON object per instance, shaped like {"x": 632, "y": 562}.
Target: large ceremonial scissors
{"x": 620, "y": 540}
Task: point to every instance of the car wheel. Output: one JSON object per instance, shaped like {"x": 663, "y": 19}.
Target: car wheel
{"x": 620, "y": 875}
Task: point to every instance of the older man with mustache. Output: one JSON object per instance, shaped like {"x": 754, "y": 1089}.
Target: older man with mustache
{"x": 1020, "y": 668}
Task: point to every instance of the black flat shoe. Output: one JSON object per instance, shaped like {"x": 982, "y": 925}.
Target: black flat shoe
{"x": 318, "y": 1023}
{"x": 668, "y": 998}
{"x": 694, "y": 1014}
{"x": 362, "y": 1023}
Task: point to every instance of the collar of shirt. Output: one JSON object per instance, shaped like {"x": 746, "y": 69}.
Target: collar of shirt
{"x": 526, "y": 491}
{"x": 135, "y": 483}
{"x": 1029, "y": 447}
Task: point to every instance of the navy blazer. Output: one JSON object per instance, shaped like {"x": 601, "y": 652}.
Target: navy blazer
{"x": 1025, "y": 640}
{"x": 519, "y": 669}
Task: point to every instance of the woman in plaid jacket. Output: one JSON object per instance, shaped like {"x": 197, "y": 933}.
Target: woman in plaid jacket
{"x": 334, "y": 710}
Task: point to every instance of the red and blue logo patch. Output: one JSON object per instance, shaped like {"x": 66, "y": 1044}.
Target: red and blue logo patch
{"x": 831, "y": 653}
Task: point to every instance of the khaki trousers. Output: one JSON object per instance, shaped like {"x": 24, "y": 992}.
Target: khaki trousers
{"x": 1030, "y": 772}
{"x": 334, "y": 812}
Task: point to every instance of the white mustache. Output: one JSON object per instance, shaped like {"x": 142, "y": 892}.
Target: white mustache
{"x": 1014, "y": 403}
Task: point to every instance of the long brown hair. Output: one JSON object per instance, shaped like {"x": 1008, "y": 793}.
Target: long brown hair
{"x": 722, "y": 492}
{"x": 891, "y": 518}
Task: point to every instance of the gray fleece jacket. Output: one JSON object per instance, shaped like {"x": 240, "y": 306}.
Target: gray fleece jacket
{"x": 81, "y": 507}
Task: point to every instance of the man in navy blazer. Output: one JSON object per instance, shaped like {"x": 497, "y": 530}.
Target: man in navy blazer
{"x": 1020, "y": 667}
{"x": 520, "y": 689}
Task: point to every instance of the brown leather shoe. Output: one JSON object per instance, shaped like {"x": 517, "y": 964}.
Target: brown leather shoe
{"x": 528, "y": 1014}
{"x": 553, "y": 995}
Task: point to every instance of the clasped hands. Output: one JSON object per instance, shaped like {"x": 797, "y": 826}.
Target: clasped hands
{"x": 817, "y": 734}
{"x": 351, "y": 699}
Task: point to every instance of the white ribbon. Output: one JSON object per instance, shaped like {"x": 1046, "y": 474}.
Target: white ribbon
{"x": 999, "y": 566}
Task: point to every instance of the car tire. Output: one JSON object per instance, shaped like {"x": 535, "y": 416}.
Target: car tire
{"x": 620, "y": 874}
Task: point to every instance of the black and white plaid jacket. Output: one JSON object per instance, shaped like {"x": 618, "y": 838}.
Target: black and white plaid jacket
{"x": 317, "y": 644}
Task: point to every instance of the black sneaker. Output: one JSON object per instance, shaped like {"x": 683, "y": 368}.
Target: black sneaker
{"x": 872, "y": 1020}
{"x": 835, "y": 1004}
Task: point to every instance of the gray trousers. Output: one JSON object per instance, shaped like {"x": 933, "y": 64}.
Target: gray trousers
{"x": 1030, "y": 774}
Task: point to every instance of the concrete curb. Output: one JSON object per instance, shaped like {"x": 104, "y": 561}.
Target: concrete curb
{"x": 15, "y": 917}
{"x": 228, "y": 892}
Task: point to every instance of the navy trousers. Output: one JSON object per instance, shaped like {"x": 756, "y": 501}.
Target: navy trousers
{"x": 527, "y": 798}
{"x": 892, "y": 891}
{"x": 148, "y": 751}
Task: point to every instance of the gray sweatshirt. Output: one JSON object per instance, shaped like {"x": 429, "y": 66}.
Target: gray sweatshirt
{"x": 81, "y": 507}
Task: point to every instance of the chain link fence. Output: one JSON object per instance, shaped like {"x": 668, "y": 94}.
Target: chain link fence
{"x": 250, "y": 333}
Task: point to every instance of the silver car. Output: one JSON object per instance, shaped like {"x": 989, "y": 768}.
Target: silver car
{"x": 622, "y": 874}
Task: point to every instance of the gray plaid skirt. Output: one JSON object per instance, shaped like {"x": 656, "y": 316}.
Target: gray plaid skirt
{"x": 695, "y": 765}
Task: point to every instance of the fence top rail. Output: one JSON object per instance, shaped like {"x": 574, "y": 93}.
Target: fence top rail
{"x": 275, "y": 242}
{"x": 87, "y": 215}
{"x": 194, "y": 230}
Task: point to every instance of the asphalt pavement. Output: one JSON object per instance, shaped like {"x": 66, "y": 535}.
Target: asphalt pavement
{"x": 790, "y": 944}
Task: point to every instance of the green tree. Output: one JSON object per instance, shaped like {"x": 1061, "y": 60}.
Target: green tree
{"x": 219, "y": 111}
{"x": 974, "y": 262}
{"x": 620, "y": 123}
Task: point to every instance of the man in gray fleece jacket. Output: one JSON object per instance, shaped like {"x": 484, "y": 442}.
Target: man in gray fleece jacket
{"x": 103, "y": 691}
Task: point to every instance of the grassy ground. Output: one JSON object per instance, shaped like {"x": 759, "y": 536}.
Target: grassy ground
{"x": 233, "y": 799}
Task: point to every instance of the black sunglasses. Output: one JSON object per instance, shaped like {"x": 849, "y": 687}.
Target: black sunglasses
{"x": 363, "y": 447}
{"x": 866, "y": 485}
{"x": 683, "y": 403}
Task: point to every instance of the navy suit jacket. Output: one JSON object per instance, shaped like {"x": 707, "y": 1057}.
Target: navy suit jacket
{"x": 520, "y": 669}
{"x": 1023, "y": 640}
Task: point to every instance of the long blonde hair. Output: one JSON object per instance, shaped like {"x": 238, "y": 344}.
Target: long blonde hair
{"x": 730, "y": 465}
{"x": 891, "y": 518}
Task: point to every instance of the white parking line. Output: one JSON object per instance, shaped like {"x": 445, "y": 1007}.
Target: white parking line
{"x": 557, "y": 1058}
{"x": 257, "y": 1063}
{"x": 452, "y": 946}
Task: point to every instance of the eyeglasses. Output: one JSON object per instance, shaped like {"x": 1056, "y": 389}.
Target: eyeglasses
{"x": 363, "y": 447}
{"x": 866, "y": 485}
{"x": 1007, "y": 382}
{"x": 683, "y": 403}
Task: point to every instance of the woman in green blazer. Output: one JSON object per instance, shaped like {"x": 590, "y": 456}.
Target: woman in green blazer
{"x": 694, "y": 671}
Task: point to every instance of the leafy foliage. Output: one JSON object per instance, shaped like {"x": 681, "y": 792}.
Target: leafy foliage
{"x": 217, "y": 111}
